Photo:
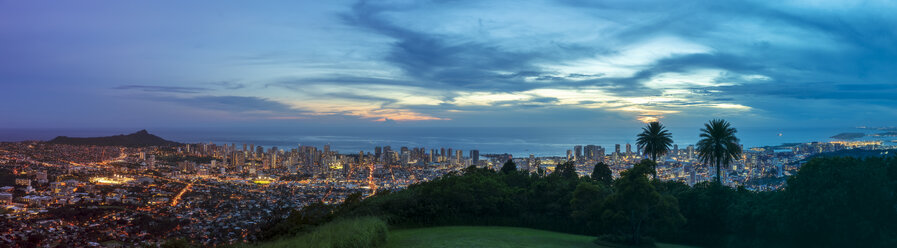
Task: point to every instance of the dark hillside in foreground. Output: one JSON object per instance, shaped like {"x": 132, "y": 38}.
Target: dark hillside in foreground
{"x": 830, "y": 202}
{"x": 139, "y": 139}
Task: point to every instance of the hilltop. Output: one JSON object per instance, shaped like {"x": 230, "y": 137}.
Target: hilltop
{"x": 137, "y": 139}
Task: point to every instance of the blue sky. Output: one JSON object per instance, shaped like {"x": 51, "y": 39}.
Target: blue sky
{"x": 548, "y": 64}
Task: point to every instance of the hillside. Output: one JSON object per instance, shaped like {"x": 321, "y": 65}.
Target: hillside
{"x": 631, "y": 209}
{"x": 491, "y": 236}
{"x": 368, "y": 232}
{"x": 139, "y": 139}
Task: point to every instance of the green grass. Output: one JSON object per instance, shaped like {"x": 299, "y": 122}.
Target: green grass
{"x": 490, "y": 236}
{"x": 360, "y": 232}
{"x": 373, "y": 232}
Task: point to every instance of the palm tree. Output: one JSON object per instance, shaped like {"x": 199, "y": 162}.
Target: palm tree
{"x": 718, "y": 144}
{"x": 655, "y": 141}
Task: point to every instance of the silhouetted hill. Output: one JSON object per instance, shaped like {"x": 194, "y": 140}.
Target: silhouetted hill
{"x": 848, "y": 136}
{"x": 138, "y": 139}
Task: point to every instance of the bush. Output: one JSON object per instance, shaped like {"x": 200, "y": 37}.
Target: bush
{"x": 342, "y": 233}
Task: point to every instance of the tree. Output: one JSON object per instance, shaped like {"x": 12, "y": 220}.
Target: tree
{"x": 718, "y": 145}
{"x": 636, "y": 208}
{"x": 509, "y": 167}
{"x": 655, "y": 141}
{"x": 602, "y": 173}
{"x": 586, "y": 203}
{"x": 566, "y": 170}
{"x": 843, "y": 202}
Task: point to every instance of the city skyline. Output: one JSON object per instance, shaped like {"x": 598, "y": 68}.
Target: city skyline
{"x": 397, "y": 123}
{"x": 447, "y": 64}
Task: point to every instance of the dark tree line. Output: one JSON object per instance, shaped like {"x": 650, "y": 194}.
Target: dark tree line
{"x": 830, "y": 202}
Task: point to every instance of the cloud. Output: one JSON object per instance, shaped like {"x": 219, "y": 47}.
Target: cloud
{"x": 162, "y": 89}
{"x": 470, "y": 62}
{"x": 646, "y": 57}
{"x": 235, "y": 103}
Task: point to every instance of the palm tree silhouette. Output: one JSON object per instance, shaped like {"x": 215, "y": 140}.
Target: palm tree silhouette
{"x": 718, "y": 144}
{"x": 655, "y": 141}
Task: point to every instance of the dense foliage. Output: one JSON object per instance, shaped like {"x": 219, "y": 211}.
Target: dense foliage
{"x": 842, "y": 202}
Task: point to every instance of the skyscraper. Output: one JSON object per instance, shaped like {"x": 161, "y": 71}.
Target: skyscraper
{"x": 360, "y": 157}
{"x": 475, "y": 156}
{"x": 432, "y": 155}
{"x": 577, "y": 153}
{"x": 690, "y": 150}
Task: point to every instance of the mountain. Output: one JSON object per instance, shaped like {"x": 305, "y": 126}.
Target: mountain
{"x": 139, "y": 139}
{"x": 848, "y": 136}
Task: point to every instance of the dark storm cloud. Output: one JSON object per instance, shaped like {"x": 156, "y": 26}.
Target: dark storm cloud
{"x": 869, "y": 93}
{"x": 471, "y": 64}
{"x": 431, "y": 58}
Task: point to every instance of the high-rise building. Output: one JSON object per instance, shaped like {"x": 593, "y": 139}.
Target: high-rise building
{"x": 691, "y": 151}
{"x": 432, "y": 155}
{"x": 475, "y": 156}
{"x": 628, "y": 149}
{"x": 458, "y": 155}
{"x": 405, "y": 156}
{"x": 591, "y": 152}
{"x": 569, "y": 155}
{"x": 377, "y": 152}
{"x": 577, "y": 155}
{"x": 360, "y": 157}
{"x": 617, "y": 149}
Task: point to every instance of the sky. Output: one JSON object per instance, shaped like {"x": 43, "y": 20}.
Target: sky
{"x": 540, "y": 64}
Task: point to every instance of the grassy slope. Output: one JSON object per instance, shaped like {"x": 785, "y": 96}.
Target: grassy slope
{"x": 361, "y": 232}
{"x": 476, "y": 236}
